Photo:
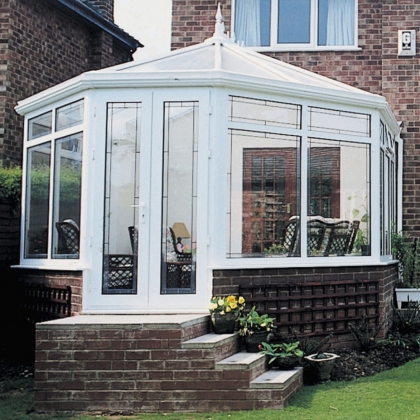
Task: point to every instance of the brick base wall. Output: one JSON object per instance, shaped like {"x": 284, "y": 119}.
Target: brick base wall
{"x": 375, "y": 283}
{"x": 56, "y": 278}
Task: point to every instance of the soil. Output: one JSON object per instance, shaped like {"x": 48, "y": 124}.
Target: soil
{"x": 354, "y": 364}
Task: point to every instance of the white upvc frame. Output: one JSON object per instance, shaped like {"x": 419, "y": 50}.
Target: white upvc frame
{"x": 49, "y": 262}
{"x": 148, "y": 298}
{"x": 312, "y": 45}
{"x": 218, "y": 255}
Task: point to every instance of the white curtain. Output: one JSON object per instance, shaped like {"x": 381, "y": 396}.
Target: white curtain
{"x": 340, "y": 22}
{"x": 247, "y": 22}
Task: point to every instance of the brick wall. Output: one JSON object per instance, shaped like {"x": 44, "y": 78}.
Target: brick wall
{"x": 105, "y": 7}
{"x": 56, "y": 278}
{"x": 374, "y": 283}
{"x": 41, "y": 47}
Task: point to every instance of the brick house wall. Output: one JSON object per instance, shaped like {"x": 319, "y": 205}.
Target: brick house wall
{"x": 375, "y": 68}
{"x": 42, "y": 45}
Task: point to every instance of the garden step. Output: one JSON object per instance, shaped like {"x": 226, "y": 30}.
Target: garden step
{"x": 209, "y": 341}
{"x": 254, "y": 363}
{"x": 278, "y": 379}
{"x": 220, "y": 345}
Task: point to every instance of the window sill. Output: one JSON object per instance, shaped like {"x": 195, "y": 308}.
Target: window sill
{"x": 305, "y": 49}
{"x": 49, "y": 267}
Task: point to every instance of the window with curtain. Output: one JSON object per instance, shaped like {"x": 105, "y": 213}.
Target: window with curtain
{"x": 284, "y": 23}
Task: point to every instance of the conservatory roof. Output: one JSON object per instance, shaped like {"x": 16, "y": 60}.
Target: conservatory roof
{"x": 218, "y": 61}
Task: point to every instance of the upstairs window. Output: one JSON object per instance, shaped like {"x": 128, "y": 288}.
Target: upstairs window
{"x": 297, "y": 24}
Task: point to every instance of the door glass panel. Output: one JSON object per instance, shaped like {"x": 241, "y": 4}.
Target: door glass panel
{"x": 121, "y": 198}
{"x": 179, "y": 200}
{"x": 37, "y": 201}
{"x": 67, "y": 196}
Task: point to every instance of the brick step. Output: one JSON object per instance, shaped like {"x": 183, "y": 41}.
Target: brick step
{"x": 254, "y": 363}
{"x": 221, "y": 345}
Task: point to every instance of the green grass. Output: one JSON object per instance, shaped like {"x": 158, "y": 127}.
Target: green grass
{"x": 393, "y": 394}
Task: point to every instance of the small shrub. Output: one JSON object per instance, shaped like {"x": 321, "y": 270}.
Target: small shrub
{"x": 10, "y": 184}
{"x": 364, "y": 334}
{"x": 407, "y": 321}
{"x": 310, "y": 345}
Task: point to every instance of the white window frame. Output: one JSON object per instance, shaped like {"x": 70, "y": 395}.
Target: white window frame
{"x": 312, "y": 45}
{"x": 50, "y": 260}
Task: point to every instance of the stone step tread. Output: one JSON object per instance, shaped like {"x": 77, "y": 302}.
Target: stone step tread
{"x": 278, "y": 379}
{"x": 241, "y": 360}
{"x": 209, "y": 341}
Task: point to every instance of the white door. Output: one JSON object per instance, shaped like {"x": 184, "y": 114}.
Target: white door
{"x": 150, "y": 258}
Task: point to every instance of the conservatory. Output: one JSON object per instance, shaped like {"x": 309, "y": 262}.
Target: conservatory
{"x": 152, "y": 178}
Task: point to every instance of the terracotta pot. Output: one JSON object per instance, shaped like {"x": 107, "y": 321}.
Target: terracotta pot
{"x": 253, "y": 341}
{"x": 223, "y": 324}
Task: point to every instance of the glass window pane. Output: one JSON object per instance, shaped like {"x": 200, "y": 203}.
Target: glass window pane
{"x": 37, "y": 201}
{"x": 261, "y": 112}
{"x": 179, "y": 197}
{"x": 252, "y": 22}
{"x": 294, "y": 21}
{"x": 340, "y": 122}
{"x": 338, "y": 198}
{"x": 69, "y": 115}
{"x": 121, "y": 198}
{"x": 67, "y": 196}
{"x": 264, "y": 197}
{"x": 336, "y": 22}
{"x": 40, "y": 126}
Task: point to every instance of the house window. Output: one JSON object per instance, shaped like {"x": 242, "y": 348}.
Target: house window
{"x": 297, "y": 24}
{"x": 53, "y": 188}
{"x": 121, "y": 198}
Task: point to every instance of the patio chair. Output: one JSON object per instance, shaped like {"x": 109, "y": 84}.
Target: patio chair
{"x": 178, "y": 264}
{"x": 68, "y": 237}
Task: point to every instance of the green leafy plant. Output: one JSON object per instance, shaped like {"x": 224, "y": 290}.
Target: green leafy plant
{"x": 275, "y": 249}
{"x": 406, "y": 252}
{"x": 281, "y": 350}
{"x": 10, "y": 184}
{"x": 406, "y": 321}
{"x": 360, "y": 213}
{"x": 253, "y": 322}
{"x": 365, "y": 334}
{"x": 310, "y": 345}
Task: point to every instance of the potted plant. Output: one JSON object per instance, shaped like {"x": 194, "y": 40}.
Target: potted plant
{"x": 254, "y": 328}
{"x": 224, "y": 313}
{"x": 361, "y": 243}
{"x": 406, "y": 252}
{"x": 284, "y": 356}
{"x": 323, "y": 364}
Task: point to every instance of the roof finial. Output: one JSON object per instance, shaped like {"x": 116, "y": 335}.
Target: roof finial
{"x": 220, "y": 26}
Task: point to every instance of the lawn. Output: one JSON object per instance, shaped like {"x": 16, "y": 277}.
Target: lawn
{"x": 393, "y": 394}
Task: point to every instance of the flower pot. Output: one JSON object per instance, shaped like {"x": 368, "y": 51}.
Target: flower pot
{"x": 405, "y": 295}
{"x": 223, "y": 324}
{"x": 286, "y": 363}
{"x": 254, "y": 340}
{"x": 322, "y": 366}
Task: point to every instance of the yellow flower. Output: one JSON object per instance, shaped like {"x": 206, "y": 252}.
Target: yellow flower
{"x": 263, "y": 324}
{"x": 228, "y": 309}
{"x": 213, "y": 306}
{"x": 220, "y": 302}
{"x": 232, "y": 305}
{"x": 231, "y": 299}
{"x": 241, "y": 300}
{"x": 222, "y": 312}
